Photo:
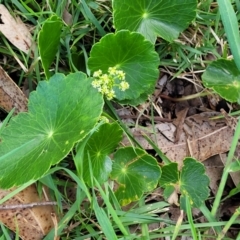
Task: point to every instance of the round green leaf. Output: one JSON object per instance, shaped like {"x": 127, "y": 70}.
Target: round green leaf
{"x": 168, "y": 191}
{"x": 152, "y": 18}
{"x": 131, "y": 53}
{"x": 223, "y": 77}
{"x": 136, "y": 172}
{"x": 61, "y": 112}
{"x": 169, "y": 179}
{"x": 101, "y": 143}
{"x": 193, "y": 183}
{"x": 234, "y": 166}
{"x": 140, "y": 99}
{"x": 170, "y": 175}
{"x": 48, "y": 41}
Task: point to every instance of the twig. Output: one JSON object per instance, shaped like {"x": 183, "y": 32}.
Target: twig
{"x": 156, "y": 118}
{"x": 185, "y": 98}
{"x": 27, "y": 205}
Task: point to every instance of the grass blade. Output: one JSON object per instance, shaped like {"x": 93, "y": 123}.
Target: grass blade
{"x": 230, "y": 23}
{"x": 104, "y": 221}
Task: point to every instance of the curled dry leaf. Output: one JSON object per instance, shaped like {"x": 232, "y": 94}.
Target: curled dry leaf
{"x": 67, "y": 17}
{"x": 15, "y": 30}
{"x": 173, "y": 198}
{"x": 32, "y": 223}
{"x": 10, "y": 94}
{"x": 201, "y": 138}
{"x": 181, "y": 115}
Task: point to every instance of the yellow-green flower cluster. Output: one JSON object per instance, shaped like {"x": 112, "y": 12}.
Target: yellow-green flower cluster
{"x": 103, "y": 119}
{"x": 105, "y": 82}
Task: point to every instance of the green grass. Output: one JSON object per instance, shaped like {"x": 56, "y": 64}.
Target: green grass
{"x": 95, "y": 213}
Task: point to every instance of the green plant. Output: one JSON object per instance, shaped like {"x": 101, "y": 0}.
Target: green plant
{"x": 124, "y": 66}
{"x": 66, "y": 114}
{"x": 48, "y": 46}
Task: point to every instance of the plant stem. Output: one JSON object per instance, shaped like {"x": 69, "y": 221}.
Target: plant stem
{"x": 229, "y": 223}
{"x": 230, "y": 24}
{"x": 185, "y": 98}
{"x": 190, "y": 219}
{"x": 226, "y": 170}
{"x": 27, "y": 205}
{"x": 208, "y": 215}
{"x": 178, "y": 225}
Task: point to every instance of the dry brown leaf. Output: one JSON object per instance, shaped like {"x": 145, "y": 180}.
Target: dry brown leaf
{"x": 15, "y": 30}
{"x": 214, "y": 168}
{"x": 173, "y": 198}
{"x": 181, "y": 115}
{"x": 10, "y": 94}
{"x": 201, "y": 138}
{"x": 67, "y": 17}
{"x": 32, "y": 223}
